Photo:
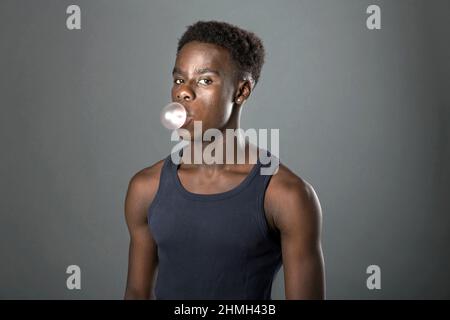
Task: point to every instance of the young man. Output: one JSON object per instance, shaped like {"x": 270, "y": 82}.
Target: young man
{"x": 220, "y": 230}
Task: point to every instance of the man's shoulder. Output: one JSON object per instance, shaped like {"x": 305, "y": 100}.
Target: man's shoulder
{"x": 285, "y": 181}
{"x": 145, "y": 182}
{"x": 287, "y": 191}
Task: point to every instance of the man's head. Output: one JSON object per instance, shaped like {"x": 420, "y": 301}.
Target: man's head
{"x": 216, "y": 68}
{"x": 245, "y": 48}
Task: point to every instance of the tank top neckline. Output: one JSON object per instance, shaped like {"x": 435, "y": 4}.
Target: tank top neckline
{"x": 213, "y": 196}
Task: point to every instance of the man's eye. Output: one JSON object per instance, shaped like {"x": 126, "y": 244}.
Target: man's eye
{"x": 205, "y": 81}
{"x": 177, "y": 81}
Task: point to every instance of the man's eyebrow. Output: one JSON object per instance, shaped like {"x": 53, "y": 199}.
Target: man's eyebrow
{"x": 197, "y": 71}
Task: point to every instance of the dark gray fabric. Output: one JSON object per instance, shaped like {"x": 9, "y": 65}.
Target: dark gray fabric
{"x": 215, "y": 246}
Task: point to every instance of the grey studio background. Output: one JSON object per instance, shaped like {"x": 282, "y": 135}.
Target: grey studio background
{"x": 363, "y": 116}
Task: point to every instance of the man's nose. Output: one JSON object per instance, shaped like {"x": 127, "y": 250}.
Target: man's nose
{"x": 185, "y": 93}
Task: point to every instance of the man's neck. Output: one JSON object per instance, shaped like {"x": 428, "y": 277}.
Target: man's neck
{"x": 222, "y": 154}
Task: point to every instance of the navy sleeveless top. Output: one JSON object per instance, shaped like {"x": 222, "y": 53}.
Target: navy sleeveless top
{"x": 214, "y": 246}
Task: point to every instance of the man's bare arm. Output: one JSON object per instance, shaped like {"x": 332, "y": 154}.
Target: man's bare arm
{"x": 142, "y": 257}
{"x": 298, "y": 216}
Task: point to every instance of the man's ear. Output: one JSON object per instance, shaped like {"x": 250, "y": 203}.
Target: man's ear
{"x": 244, "y": 91}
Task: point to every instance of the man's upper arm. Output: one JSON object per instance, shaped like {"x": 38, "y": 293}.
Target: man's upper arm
{"x": 142, "y": 257}
{"x": 298, "y": 217}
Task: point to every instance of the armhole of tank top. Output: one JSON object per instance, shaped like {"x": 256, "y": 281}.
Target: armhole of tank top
{"x": 261, "y": 212}
{"x": 155, "y": 200}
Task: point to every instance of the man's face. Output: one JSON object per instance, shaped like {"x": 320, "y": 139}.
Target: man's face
{"x": 204, "y": 82}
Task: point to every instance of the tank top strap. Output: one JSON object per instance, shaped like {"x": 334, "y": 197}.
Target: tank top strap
{"x": 170, "y": 168}
{"x": 268, "y": 166}
{"x": 164, "y": 187}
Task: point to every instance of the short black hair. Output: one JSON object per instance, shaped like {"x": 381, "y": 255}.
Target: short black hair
{"x": 246, "y": 48}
